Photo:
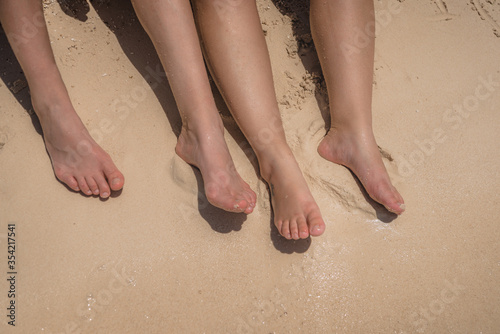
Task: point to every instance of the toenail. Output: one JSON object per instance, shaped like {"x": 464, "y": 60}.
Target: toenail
{"x": 402, "y": 206}
{"x": 116, "y": 181}
{"x": 105, "y": 194}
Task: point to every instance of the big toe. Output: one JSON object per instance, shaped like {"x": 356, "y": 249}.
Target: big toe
{"x": 385, "y": 193}
{"x": 249, "y": 209}
{"x": 242, "y": 205}
{"x": 395, "y": 207}
{"x": 316, "y": 224}
{"x": 393, "y": 201}
{"x": 251, "y": 198}
{"x": 224, "y": 201}
{"x": 115, "y": 180}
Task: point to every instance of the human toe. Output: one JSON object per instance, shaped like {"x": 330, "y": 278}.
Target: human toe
{"x": 114, "y": 176}
{"x": 241, "y": 206}
{"x": 249, "y": 209}
{"x": 316, "y": 225}
{"x": 250, "y": 199}
{"x": 394, "y": 203}
{"x": 104, "y": 190}
{"x": 302, "y": 227}
{"x": 395, "y": 207}
{"x": 285, "y": 229}
{"x": 84, "y": 187}
{"x": 294, "y": 229}
{"x": 70, "y": 181}
{"x": 92, "y": 185}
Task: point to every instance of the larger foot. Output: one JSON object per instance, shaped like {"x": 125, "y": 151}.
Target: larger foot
{"x": 359, "y": 152}
{"x": 224, "y": 187}
{"x": 78, "y": 161}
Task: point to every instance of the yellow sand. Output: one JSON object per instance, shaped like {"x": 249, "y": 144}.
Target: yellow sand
{"x": 155, "y": 259}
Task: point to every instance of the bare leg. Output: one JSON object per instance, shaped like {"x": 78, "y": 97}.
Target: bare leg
{"x": 76, "y": 158}
{"x": 239, "y": 60}
{"x": 171, "y": 26}
{"x": 349, "y": 76}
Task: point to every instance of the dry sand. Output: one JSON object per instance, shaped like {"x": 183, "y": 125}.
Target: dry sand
{"x": 155, "y": 259}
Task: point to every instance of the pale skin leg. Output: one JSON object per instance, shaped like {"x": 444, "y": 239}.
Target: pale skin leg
{"x": 76, "y": 158}
{"x": 349, "y": 76}
{"x": 237, "y": 54}
{"x": 247, "y": 86}
{"x": 171, "y": 26}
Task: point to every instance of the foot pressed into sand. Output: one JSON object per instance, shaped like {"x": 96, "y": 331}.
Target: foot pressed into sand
{"x": 208, "y": 151}
{"x": 296, "y": 214}
{"x": 359, "y": 152}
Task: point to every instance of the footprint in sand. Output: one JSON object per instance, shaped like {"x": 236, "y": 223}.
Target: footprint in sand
{"x": 298, "y": 93}
{"x": 5, "y": 135}
{"x": 392, "y": 167}
{"x": 182, "y": 174}
{"x": 263, "y": 199}
{"x": 478, "y": 6}
{"x": 328, "y": 180}
{"x": 444, "y": 14}
{"x": 347, "y": 190}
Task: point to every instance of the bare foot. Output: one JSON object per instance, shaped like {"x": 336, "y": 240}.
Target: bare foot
{"x": 224, "y": 187}
{"x": 77, "y": 159}
{"x": 359, "y": 153}
{"x": 296, "y": 214}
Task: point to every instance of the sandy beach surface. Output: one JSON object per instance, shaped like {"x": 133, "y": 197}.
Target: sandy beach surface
{"x": 156, "y": 258}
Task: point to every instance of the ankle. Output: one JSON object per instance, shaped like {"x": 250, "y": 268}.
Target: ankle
{"x": 51, "y": 101}
{"x": 353, "y": 129}
{"x": 52, "y": 109}
{"x": 202, "y": 131}
{"x": 273, "y": 162}
{"x": 355, "y": 121}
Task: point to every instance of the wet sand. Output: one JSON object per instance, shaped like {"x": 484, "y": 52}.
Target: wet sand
{"x": 156, "y": 258}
